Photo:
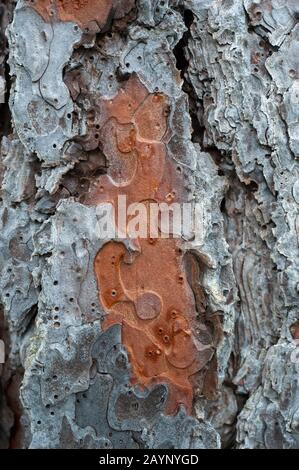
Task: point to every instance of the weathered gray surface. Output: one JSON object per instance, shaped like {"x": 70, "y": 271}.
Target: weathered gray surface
{"x": 240, "y": 89}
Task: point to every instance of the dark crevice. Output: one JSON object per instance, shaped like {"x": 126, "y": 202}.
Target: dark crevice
{"x": 181, "y": 60}
{"x": 5, "y": 125}
{"x": 182, "y": 65}
{"x": 29, "y": 322}
{"x": 5, "y": 115}
{"x": 222, "y": 206}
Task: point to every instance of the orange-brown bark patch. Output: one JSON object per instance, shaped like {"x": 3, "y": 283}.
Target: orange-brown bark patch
{"x": 147, "y": 291}
{"x": 88, "y": 14}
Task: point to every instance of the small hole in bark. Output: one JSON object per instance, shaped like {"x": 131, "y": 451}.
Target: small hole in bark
{"x": 222, "y": 205}
{"x": 253, "y": 186}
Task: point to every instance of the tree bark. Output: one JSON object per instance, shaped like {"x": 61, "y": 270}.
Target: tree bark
{"x": 173, "y": 343}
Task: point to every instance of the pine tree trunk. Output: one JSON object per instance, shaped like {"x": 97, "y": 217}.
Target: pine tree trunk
{"x": 187, "y": 342}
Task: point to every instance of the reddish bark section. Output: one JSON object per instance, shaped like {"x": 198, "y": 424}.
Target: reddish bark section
{"x": 148, "y": 292}
{"x": 88, "y": 14}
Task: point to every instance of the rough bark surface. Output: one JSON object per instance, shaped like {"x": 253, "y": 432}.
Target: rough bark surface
{"x": 199, "y": 100}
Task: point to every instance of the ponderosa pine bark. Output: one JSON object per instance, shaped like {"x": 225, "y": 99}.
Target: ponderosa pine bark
{"x": 175, "y": 343}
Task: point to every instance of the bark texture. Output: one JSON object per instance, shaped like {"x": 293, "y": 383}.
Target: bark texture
{"x": 210, "y": 88}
